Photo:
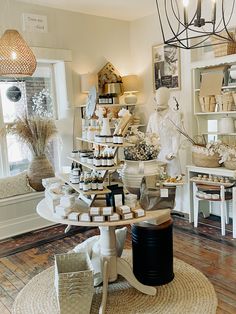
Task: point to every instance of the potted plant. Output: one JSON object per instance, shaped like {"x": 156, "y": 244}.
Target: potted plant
{"x": 36, "y": 132}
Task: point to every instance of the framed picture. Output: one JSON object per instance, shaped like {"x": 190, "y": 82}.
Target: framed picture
{"x": 166, "y": 67}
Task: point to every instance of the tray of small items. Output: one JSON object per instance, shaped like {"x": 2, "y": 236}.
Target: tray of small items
{"x": 212, "y": 180}
{"x": 173, "y": 181}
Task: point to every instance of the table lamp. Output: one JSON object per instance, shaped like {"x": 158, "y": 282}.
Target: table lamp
{"x": 87, "y": 81}
{"x": 131, "y": 86}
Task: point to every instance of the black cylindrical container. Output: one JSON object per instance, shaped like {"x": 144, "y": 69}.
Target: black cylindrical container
{"x": 153, "y": 253}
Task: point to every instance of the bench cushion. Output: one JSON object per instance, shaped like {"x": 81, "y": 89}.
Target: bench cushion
{"x": 15, "y": 185}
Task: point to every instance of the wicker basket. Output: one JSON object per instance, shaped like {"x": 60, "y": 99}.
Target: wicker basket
{"x": 227, "y": 48}
{"x": 39, "y": 168}
{"x": 202, "y": 160}
{"x": 231, "y": 164}
{"x": 208, "y": 103}
{"x": 74, "y": 283}
{"x": 225, "y": 101}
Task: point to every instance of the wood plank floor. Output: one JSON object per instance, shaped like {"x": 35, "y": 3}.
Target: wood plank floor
{"x": 216, "y": 259}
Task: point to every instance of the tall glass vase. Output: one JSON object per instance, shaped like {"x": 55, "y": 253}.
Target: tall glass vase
{"x": 106, "y": 130}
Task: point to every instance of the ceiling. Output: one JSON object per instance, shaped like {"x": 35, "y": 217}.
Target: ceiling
{"x": 118, "y": 9}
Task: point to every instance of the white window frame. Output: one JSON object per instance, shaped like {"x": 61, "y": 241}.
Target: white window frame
{"x": 61, "y": 60}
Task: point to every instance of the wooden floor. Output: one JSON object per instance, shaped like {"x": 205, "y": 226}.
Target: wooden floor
{"x": 216, "y": 259}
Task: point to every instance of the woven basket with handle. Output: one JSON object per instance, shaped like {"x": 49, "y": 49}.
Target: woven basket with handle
{"x": 202, "y": 160}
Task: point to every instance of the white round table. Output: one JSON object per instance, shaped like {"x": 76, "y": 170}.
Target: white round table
{"x": 112, "y": 264}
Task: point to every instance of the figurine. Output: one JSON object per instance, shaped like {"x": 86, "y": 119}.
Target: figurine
{"x": 160, "y": 123}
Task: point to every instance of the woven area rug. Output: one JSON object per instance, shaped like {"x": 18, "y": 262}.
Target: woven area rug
{"x": 189, "y": 292}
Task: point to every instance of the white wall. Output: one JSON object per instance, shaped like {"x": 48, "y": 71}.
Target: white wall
{"x": 92, "y": 40}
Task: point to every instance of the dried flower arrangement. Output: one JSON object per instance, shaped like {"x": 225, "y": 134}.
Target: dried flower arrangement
{"x": 34, "y": 131}
{"x": 146, "y": 147}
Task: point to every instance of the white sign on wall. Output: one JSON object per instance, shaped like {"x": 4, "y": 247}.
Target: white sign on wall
{"x": 35, "y": 23}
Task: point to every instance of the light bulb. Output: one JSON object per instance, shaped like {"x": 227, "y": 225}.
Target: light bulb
{"x": 185, "y": 3}
{"x": 13, "y": 55}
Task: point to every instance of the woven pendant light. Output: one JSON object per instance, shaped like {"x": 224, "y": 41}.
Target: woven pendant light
{"x": 16, "y": 58}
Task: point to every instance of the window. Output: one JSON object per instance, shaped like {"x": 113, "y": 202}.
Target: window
{"x": 31, "y": 94}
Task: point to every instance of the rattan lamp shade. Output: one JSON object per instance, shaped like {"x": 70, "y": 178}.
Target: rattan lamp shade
{"x": 16, "y": 58}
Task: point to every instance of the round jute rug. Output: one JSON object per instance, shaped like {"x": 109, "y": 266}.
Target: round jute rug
{"x": 189, "y": 293}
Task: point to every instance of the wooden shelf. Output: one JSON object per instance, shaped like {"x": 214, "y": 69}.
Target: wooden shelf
{"x": 116, "y": 105}
{"x": 196, "y": 180}
{"x": 109, "y": 105}
{"x": 223, "y": 87}
{"x": 218, "y": 113}
{"x": 105, "y": 144}
{"x": 132, "y": 125}
{"x": 217, "y": 133}
{"x": 65, "y": 177}
{"x": 93, "y": 167}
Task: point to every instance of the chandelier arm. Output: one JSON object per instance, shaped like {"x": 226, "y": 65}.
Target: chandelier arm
{"x": 177, "y": 17}
{"x": 223, "y": 17}
{"x": 201, "y": 42}
{"x": 171, "y": 28}
{"x": 159, "y": 15}
{"x": 221, "y": 20}
{"x": 179, "y": 21}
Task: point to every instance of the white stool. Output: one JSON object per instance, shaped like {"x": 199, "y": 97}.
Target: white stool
{"x": 224, "y": 209}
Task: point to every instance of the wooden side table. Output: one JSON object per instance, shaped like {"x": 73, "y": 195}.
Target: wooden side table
{"x": 112, "y": 264}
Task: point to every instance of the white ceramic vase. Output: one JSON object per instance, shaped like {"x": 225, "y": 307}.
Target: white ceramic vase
{"x": 106, "y": 130}
{"x": 133, "y": 172}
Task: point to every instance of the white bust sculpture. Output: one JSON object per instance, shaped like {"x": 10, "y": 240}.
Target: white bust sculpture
{"x": 159, "y": 123}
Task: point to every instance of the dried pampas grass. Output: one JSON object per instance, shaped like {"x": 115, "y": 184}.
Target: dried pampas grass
{"x": 36, "y": 132}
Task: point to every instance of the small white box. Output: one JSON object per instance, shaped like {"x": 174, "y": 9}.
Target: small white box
{"x": 98, "y": 218}
{"x": 67, "y": 200}
{"x": 127, "y": 216}
{"x": 73, "y": 216}
{"x": 84, "y": 217}
{"x": 59, "y": 216}
{"x": 118, "y": 199}
{"x": 114, "y": 217}
{"x": 139, "y": 212}
{"x": 124, "y": 209}
{"x": 95, "y": 211}
{"x": 62, "y": 210}
{"x": 107, "y": 211}
{"x": 52, "y": 199}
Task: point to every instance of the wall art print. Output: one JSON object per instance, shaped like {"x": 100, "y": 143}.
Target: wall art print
{"x": 166, "y": 67}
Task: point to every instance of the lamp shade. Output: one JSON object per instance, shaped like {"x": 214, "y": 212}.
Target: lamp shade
{"x": 130, "y": 83}
{"x": 16, "y": 58}
{"x": 87, "y": 81}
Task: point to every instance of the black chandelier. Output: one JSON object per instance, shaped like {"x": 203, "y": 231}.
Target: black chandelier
{"x": 184, "y": 25}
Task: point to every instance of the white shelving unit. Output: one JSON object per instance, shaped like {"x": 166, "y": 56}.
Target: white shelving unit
{"x": 89, "y": 196}
{"x": 208, "y": 122}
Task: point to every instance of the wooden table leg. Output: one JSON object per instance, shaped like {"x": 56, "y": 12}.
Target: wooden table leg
{"x": 125, "y": 270}
{"x": 102, "y": 308}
